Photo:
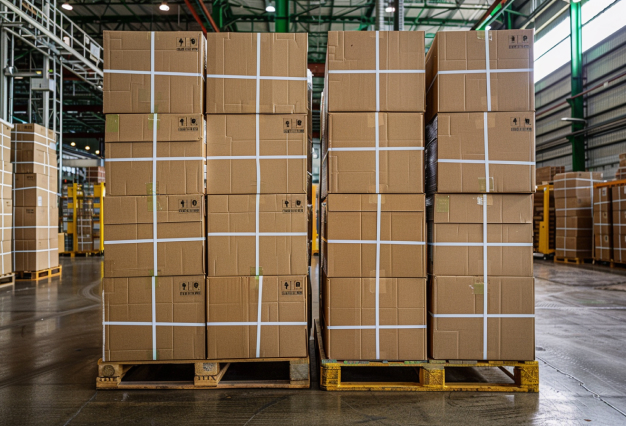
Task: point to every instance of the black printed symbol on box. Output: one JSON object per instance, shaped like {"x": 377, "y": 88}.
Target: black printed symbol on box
{"x": 524, "y": 39}
{"x": 298, "y": 203}
{"x": 287, "y": 124}
{"x": 181, "y": 42}
{"x": 194, "y": 203}
{"x": 287, "y": 285}
{"x": 514, "y": 121}
{"x": 298, "y": 285}
{"x": 192, "y": 121}
{"x": 184, "y": 286}
{"x": 513, "y": 39}
{"x": 196, "y": 286}
{"x": 182, "y": 121}
{"x": 299, "y": 123}
{"x": 527, "y": 122}
{"x": 286, "y": 202}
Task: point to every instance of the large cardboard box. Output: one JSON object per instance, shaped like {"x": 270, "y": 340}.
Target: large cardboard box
{"x": 603, "y": 212}
{"x": 154, "y": 72}
{"x": 5, "y": 141}
{"x": 35, "y": 255}
{"x": 573, "y": 207}
{"x": 352, "y": 165}
{"x": 232, "y": 147}
{"x": 462, "y": 337}
{"x": 33, "y": 150}
{"x": 280, "y": 60}
{"x": 34, "y": 190}
{"x": 452, "y": 90}
{"x": 6, "y": 221}
{"x": 574, "y": 226}
{"x": 575, "y": 184}
{"x": 233, "y": 248}
{"x": 36, "y": 223}
{"x": 456, "y": 234}
{"x": 180, "y": 154}
{"x": 546, "y": 174}
{"x": 6, "y": 179}
{"x": 177, "y": 299}
{"x": 619, "y": 246}
{"x": 456, "y": 158}
{"x": 129, "y": 239}
{"x": 618, "y": 198}
{"x": 603, "y": 247}
{"x": 6, "y": 257}
{"x": 351, "y": 71}
{"x": 282, "y": 314}
{"x": 574, "y": 247}
{"x": 353, "y": 223}
{"x": 351, "y": 302}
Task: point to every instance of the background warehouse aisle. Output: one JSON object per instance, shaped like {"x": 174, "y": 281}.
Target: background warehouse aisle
{"x": 49, "y": 336}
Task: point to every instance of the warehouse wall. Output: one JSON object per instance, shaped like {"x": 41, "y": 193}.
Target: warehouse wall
{"x": 605, "y": 109}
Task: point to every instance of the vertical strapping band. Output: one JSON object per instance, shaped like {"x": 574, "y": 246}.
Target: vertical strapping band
{"x": 377, "y": 72}
{"x": 378, "y": 210}
{"x": 154, "y": 233}
{"x": 152, "y": 72}
{"x": 487, "y": 70}
{"x": 485, "y": 298}
{"x": 486, "y": 142}
{"x": 258, "y": 318}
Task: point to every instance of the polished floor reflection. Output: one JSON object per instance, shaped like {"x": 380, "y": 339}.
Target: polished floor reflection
{"x": 50, "y": 340}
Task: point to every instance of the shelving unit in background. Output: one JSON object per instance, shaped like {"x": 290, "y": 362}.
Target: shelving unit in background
{"x": 82, "y": 218}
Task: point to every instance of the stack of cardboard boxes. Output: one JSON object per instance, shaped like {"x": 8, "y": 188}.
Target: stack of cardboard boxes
{"x": 573, "y": 196}
{"x": 258, "y": 148}
{"x": 154, "y": 266}
{"x": 603, "y": 224}
{"x": 6, "y": 199}
{"x": 373, "y": 254}
{"x": 36, "y": 214}
{"x": 545, "y": 175}
{"x": 620, "y": 173}
{"x": 618, "y": 221}
{"x": 480, "y": 174}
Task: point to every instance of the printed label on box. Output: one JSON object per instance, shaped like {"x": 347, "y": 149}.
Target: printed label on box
{"x": 293, "y": 125}
{"x": 189, "y": 44}
{"x": 295, "y": 206}
{"x": 190, "y": 288}
{"x": 188, "y": 206}
{"x": 519, "y": 42}
{"x": 292, "y": 288}
{"x": 187, "y": 124}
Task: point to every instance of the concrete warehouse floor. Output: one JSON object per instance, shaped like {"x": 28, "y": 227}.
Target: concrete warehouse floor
{"x": 50, "y": 337}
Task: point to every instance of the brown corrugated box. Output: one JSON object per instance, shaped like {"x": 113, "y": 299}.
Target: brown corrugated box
{"x": 178, "y": 136}
{"x": 546, "y": 174}
{"x": 353, "y": 217}
{"x": 574, "y": 226}
{"x": 603, "y": 212}
{"x": 458, "y": 219}
{"x": 6, "y": 259}
{"x": 34, "y": 255}
{"x": 619, "y": 246}
{"x": 235, "y": 135}
{"x": 618, "y": 197}
{"x": 36, "y": 223}
{"x": 235, "y": 54}
{"x": 6, "y": 222}
{"x": 603, "y": 247}
{"x": 466, "y": 92}
{"x": 176, "y": 51}
{"x": 461, "y": 136}
{"x": 356, "y": 51}
{"x": 575, "y": 184}
{"x": 573, "y": 207}
{"x": 6, "y": 179}
{"x": 350, "y": 171}
{"x": 352, "y": 302}
{"x": 571, "y": 246}
{"x": 33, "y": 150}
{"x": 183, "y": 254}
{"x": 231, "y": 255}
{"x": 34, "y": 190}
{"x": 236, "y": 300}
{"x": 462, "y": 338}
{"x": 178, "y": 299}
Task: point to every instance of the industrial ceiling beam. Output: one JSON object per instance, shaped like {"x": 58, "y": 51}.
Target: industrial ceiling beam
{"x": 577, "y": 102}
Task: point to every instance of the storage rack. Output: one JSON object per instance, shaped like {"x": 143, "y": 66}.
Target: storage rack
{"x": 83, "y": 201}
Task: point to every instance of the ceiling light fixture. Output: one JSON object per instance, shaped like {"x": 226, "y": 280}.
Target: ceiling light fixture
{"x": 270, "y": 7}
{"x": 67, "y": 6}
{"x": 97, "y": 152}
{"x": 164, "y": 7}
{"x": 72, "y": 143}
{"x": 390, "y": 9}
{"x": 87, "y": 148}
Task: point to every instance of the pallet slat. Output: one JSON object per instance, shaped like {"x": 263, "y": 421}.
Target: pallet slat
{"x": 431, "y": 374}
{"x": 39, "y": 275}
{"x": 7, "y": 279}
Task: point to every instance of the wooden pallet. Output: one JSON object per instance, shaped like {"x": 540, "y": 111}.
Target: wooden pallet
{"x": 81, "y": 253}
{"x": 7, "y": 279}
{"x": 286, "y": 373}
{"x": 425, "y": 375}
{"x": 572, "y": 260}
{"x": 39, "y": 275}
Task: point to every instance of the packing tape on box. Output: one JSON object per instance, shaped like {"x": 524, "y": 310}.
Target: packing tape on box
{"x": 152, "y": 73}
{"x": 378, "y": 243}
{"x": 487, "y": 71}
{"x": 378, "y": 72}
{"x": 484, "y": 244}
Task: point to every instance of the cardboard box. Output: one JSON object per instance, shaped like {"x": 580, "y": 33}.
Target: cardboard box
{"x": 349, "y": 235}
{"x": 182, "y": 254}
{"x": 6, "y": 219}
{"x": 603, "y": 247}
{"x": 358, "y": 51}
{"x": 574, "y": 226}
{"x": 34, "y": 190}
{"x": 462, "y": 338}
{"x": 236, "y": 55}
{"x": 33, "y": 150}
{"x": 5, "y": 141}
{"x": 467, "y": 92}
{"x": 236, "y": 300}
{"x": 573, "y": 207}
{"x": 233, "y": 136}
{"x": 350, "y": 170}
{"x": 619, "y": 246}
{"x": 618, "y": 198}
{"x": 95, "y": 174}
{"x": 36, "y": 223}
{"x": 6, "y": 257}
{"x": 575, "y": 184}
{"x": 6, "y": 179}
{"x": 572, "y": 247}
{"x": 61, "y": 241}
{"x": 132, "y": 136}
{"x": 35, "y": 255}
{"x": 231, "y": 227}
{"x": 455, "y": 234}
{"x": 177, "y": 300}
{"x": 139, "y": 209}
{"x": 546, "y": 174}
{"x": 352, "y": 302}
{"x": 454, "y": 142}
{"x": 168, "y": 52}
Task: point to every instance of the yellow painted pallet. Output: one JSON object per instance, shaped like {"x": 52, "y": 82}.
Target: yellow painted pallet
{"x": 204, "y": 374}
{"x": 422, "y": 376}
{"x": 571, "y": 260}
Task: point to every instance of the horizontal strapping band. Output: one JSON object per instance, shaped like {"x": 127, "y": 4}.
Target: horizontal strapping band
{"x": 254, "y": 77}
{"x": 408, "y": 243}
{"x": 373, "y": 327}
{"x": 380, "y": 148}
{"x": 491, "y": 71}
{"x": 254, "y": 157}
{"x": 254, "y": 323}
{"x": 481, "y": 315}
{"x": 575, "y": 208}
{"x": 32, "y": 133}
{"x": 34, "y": 251}
{"x": 36, "y": 187}
{"x": 11, "y": 125}
{"x": 157, "y": 159}
{"x": 34, "y": 162}
{"x": 165, "y": 324}
{"x": 254, "y": 234}
{"x": 481, "y": 244}
{"x": 514, "y": 163}
{"x": 31, "y": 227}
{"x": 158, "y": 240}
{"x": 376, "y": 71}
{"x": 574, "y": 229}
{"x": 172, "y": 73}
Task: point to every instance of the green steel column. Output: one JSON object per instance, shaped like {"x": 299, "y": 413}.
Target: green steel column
{"x": 218, "y": 13}
{"x": 282, "y": 16}
{"x": 578, "y": 112}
